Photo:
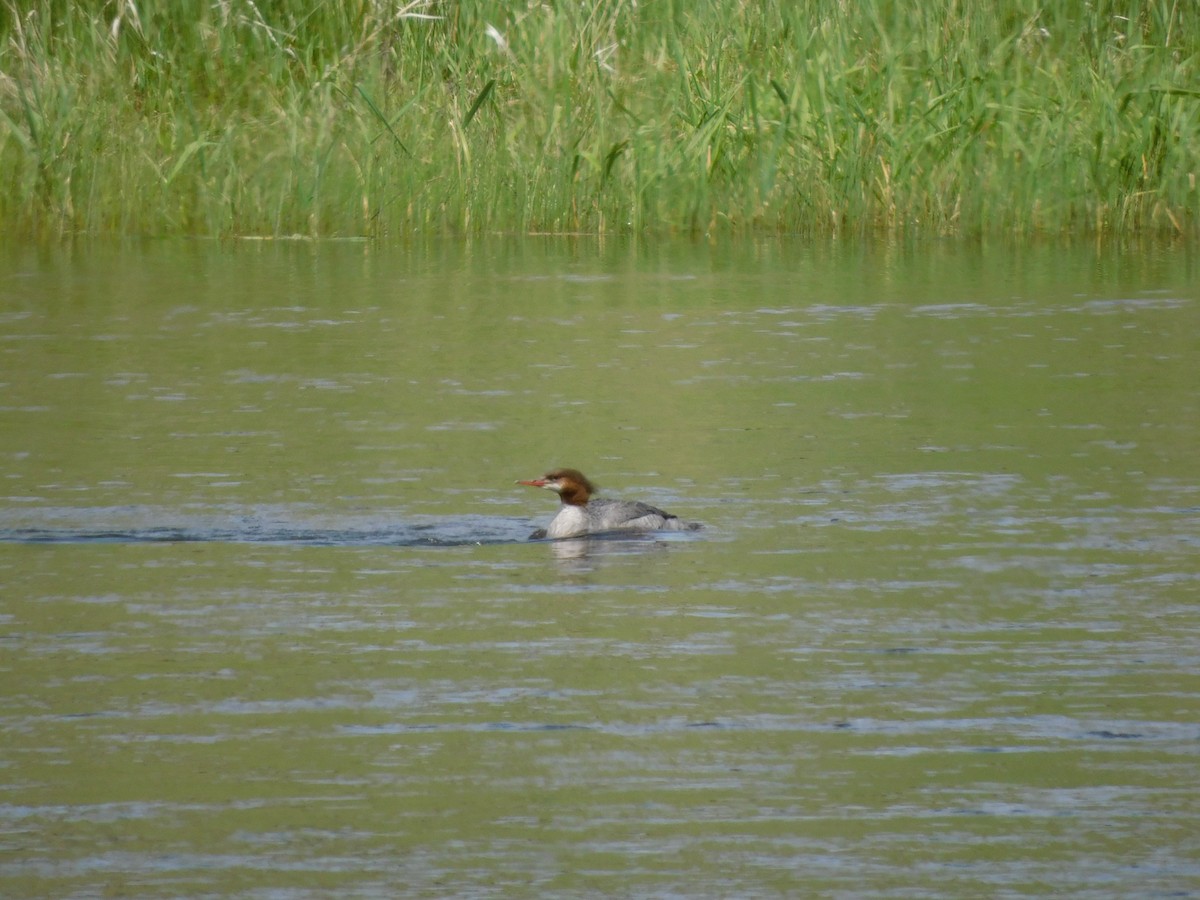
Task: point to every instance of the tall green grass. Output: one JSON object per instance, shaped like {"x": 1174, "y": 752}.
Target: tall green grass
{"x": 386, "y": 117}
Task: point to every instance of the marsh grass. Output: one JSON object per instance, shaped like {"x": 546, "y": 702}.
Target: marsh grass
{"x": 368, "y": 117}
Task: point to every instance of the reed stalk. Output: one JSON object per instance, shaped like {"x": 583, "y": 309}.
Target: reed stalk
{"x": 394, "y": 117}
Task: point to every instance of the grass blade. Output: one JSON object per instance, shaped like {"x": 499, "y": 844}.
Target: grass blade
{"x": 479, "y": 101}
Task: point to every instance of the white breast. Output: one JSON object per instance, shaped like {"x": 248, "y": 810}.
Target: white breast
{"x": 571, "y": 520}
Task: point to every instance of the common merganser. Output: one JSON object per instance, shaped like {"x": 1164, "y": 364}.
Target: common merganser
{"x": 581, "y": 515}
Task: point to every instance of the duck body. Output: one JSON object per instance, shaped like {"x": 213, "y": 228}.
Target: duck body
{"x": 581, "y": 515}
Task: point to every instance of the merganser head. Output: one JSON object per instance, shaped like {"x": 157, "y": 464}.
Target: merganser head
{"x": 571, "y": 485}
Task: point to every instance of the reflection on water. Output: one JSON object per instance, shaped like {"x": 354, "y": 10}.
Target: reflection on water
{"x": 272, "y": 624}
{"x": 591, "y": 548}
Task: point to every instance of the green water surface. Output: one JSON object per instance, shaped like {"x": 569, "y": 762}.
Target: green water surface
{"x": 269, "y": 627}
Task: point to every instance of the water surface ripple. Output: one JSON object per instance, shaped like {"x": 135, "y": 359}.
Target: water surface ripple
{"x": 270, "y": 624}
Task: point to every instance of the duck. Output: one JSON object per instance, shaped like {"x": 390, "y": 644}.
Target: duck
{"x": 581, "y": 514}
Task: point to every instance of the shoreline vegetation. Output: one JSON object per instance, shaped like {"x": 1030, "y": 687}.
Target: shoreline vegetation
{"x": 378, "y": 118}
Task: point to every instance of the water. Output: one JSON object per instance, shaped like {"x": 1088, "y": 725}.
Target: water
{"x": 271, "y": 627}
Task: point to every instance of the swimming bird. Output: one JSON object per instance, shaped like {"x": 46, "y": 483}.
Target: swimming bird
{"x": 581, "y": 515}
